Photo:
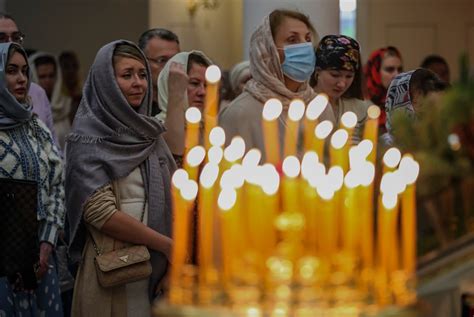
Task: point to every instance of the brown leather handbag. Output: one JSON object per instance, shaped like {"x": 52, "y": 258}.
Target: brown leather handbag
{"x": 124, "y": 265}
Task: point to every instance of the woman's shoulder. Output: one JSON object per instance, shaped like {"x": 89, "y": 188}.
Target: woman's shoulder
{"x": 244, "y": 106}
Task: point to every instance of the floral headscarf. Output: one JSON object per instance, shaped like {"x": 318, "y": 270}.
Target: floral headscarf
{"x": 376, "y": 92}
{"x": 338, "y": 52}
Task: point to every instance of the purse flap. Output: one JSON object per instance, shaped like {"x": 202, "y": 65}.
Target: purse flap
{"x": 123, "y": 257}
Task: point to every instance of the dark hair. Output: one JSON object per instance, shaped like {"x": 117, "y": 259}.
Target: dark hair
{"x": 163, "y": 34}
{"x": 130, "y": 51}
{"x": 196, "y": 59}
{"x": 68, "y": 55}
{"x": 4, "y": 15}
{"x": 355, "y": 89}
{"x": 392, "y": 51}
{"x": 45, "y": 60}
{"x": 277, "y": 17}
{"x": 425, "y": 81}
{"x": 433, "y": 59}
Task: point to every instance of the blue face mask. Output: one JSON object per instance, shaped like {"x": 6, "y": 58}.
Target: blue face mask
{"x": 300, "y": 61}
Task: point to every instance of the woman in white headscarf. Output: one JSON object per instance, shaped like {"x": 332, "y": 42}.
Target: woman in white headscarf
{"x": 46, "y": 72}
{"x": 181, "y": 84}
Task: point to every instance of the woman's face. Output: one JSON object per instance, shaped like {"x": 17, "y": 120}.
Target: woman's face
{"x": 391, "y": 67}
{"x": 46, "y": 77}
{"x": 334, "y": 83}
{"x": 16, "y": 76}
{"x": 197, "y": 85}
{"x": 131, "y": 78}
{"x": 290, "y": 31}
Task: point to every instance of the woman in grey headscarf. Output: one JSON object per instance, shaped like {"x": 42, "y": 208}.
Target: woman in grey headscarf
{"x": 118, "y": 180}
{"x": 29, "y": 153}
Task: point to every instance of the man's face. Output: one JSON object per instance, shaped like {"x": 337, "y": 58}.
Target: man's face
{"x": 158, "y": 52}
{"x": 8, "y": 31}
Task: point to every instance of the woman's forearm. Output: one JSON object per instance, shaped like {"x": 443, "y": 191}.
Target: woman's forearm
{"x": 123, "y": 227}
{"x": 174, "y": 123}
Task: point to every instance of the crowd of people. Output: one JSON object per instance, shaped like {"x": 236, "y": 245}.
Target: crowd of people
{"x": 102, "y": 152}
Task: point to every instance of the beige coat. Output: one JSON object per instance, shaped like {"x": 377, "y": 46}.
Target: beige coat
{"x": 90, "y": 299}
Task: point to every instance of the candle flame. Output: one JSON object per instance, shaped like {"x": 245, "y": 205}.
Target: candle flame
{"x": 325, "y": 192}
{"x": 271, "y": 182}
{"x": 389, "y": 201}
{"x": 339, "y": 139}
{"x": 310, "y": 159}
{"x": 366, "y": 146}
{"x": 409, "y": 168}
{"x": 235, "y": 150}
{"x": 213, "y": 74}
{"x": 217, "y": 136}
{"x": 323, "y": 129}
{"x": 392, "y": 157}
{"x": 373, "y": 112}
{"x": 215, "y": 154}
{"x": 180, "y": 176}
{"x": 189, "y": 190}
{"x": 349, "y": 119}
{"x": 296, "y": 110}
{"x": 193, "y": 115}
{"x": 227, "y": 199}
{"x": 252, "y": 158}
{"x": 272, "y": 109}
{"x": 195, "y": 156}
{"x": 316, "y": 107}
{"x": 291, "y": 166}
{"x": 209, "y": 175}
{"x": 335, "y": 177}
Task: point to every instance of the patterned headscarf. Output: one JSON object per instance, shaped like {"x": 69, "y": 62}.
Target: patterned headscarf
{"x": 338, "y": 52}
{"x": 376, "y": 92}
{"x": 398, "y": 98}
{"x": 12, "y": 112}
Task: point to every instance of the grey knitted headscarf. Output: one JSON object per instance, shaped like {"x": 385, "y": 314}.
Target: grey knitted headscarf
{"x": 12, "y": 112}
{"x": 109, "y": 139}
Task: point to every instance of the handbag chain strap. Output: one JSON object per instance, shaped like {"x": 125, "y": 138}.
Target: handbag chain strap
{"x": 97, "y": 250}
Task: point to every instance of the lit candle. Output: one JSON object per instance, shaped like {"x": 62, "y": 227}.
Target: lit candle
{"x": 321, "y": 132}
{"x": 233, "y": 153}
{"x": 348, "y": 122}
{"x": 213, "y": 76}
{"x": 295, "y": 113}
{"x": 230, "y": 232}
{"x": 410, "y": 168}
{"x": 391, "y": 158}
{"x": 311, "y": 173}
{"x": 193, "y": 119}
{"x": 313, "y": 111}
{"x": 206, "y": 209}
{"x": 184, "y": 192}
{"x": 371, "y": 130}
{"x": 338, "y": 155}
{"x": 194, "y": 158}
{"x": 271, "y": 112}
{"x": 290, "y": 184}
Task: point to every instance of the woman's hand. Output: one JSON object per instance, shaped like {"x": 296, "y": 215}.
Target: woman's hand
{"x": 177, "y": 80}
{"x": 45, "y": 251}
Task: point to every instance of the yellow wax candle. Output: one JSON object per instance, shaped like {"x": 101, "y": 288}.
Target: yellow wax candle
{"x": 228, "y": 203}
{"x": 313, "y": 111}
{"x": 193, "y": 118}
{"x": 181, "y": 224}
{"x": 338, "y": 153}
{"x": 350, "y": 219}
{"x": 367, "y": 234}
{"x": 311, "y": 216}
{"x": 270, "y": 119}
{"x": 206, "y": 204}
{"x": 371, "y": 130}
{"x": 411, "y": 169}
{"x": 213, "y": 76}
{"x": 327, "y": 231}
{"x": 386, "y": 235}
{"x": 321, "y": 132}
{"x": 194, "y": 158}
{"x": 409, "y": 229}
{"x": 295, "y": 113}
{"x": 290, "y": 184}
